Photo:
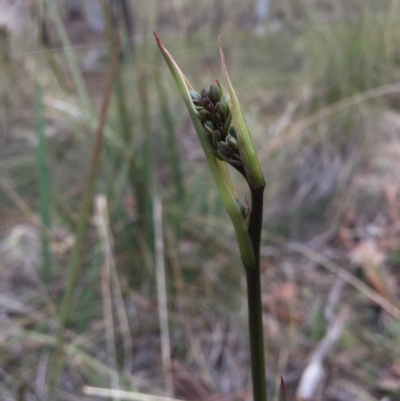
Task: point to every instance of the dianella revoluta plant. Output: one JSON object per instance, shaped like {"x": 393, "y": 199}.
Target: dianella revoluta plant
{"x": 225, "y": 138}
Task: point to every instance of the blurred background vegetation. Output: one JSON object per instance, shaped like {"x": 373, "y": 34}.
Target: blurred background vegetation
{"x": 123, "y": 272}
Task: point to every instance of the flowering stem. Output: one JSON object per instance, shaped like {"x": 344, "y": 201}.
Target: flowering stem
{"x": 223, "y": 145}
{"x": 254, "y": 299}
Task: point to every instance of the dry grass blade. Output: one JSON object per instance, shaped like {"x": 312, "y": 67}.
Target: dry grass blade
{"x": 314, "y": 373}
{"x": 162, "y": 295}
{"x": 43, "y": 367}
{"x": 101, "y": 217}
{"x": 367, "y": 255}
{"x": 113, "y": 287}
{"x": 325, "y": 112}
{"x": 21, "y": 205}
{"x": 334, "y": 298}
{"x": 348, "y": 277}
{"x": 124, "y": 395}
{"x": 123, "y": 321}
{"x": 71, "y": 60}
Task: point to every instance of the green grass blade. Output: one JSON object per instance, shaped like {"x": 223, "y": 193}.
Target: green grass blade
{"x": 80, "y": 85}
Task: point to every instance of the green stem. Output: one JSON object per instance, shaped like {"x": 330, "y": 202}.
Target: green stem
{"x": 254, "y": 299}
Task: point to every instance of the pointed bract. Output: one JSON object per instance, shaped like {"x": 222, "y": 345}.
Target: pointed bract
{"x": 248, "y": 155}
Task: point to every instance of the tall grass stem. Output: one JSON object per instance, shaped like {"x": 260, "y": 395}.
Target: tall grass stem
{"x": 75, "y": 263}
{"x": 102, "y": 226}
{"x": 42, "y": 168}
{"x": 43, "y": 183}
{"x": 162, "y": 294}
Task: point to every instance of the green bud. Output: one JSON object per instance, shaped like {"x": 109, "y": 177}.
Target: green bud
{"x": 219, "y": 108}
{"x": 214, "y": 93}
{"x": 209, "y": 126}
{"x": 218, "y": 155}
{"x": 227, "y": 124}
{"x": 231, "y": 141}
{"x": 216, "y": 137}
{"x": 225, "y": 105}
{"x": 204, "y": 114}
{"x": 232, "y": 132}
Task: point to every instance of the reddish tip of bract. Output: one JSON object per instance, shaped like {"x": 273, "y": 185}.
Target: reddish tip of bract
{"x": 157, "y": 39}
{"x": 282, "y": 391}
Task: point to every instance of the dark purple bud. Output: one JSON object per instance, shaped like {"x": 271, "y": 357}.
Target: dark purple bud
{"x": 204, "y": 94}
{"x": 235, "y": 163}
{"x": 217, "y": 119}
{"x": 225, "y": 149}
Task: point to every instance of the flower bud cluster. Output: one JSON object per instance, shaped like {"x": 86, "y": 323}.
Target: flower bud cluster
{"x": 216, "y": 118}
